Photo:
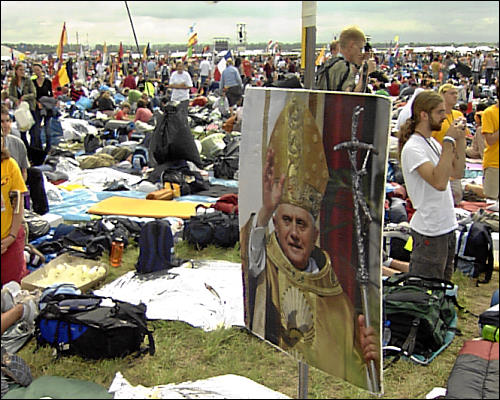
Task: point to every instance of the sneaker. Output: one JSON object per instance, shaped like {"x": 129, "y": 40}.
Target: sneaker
{"x": 493, "y": 207}
{"x": 30, "y": 310}
{"x": 15, "y": 368}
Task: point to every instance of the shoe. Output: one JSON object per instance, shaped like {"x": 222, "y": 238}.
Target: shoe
{"x": 493, "y": 207}
{"x": 7, "y": 300}
{"x": 30, "y": 310}
{"x": 15, "y": 368}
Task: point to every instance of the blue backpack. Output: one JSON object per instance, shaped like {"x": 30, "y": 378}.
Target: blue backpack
{"x": 155, "y": 247}
{"x": 140, "y": 158}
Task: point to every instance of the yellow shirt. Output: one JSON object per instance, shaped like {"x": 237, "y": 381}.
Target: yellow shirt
{"x": 439, "y": 135}
{"x": 11, "y": 180}
{"x": 490, "y": 125}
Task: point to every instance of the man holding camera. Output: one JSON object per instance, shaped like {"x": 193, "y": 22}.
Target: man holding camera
{"x": 355, "y": 53}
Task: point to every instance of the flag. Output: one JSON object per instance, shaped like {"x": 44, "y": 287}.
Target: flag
{"x": 61, "y": 78}
{"x": 269, "y": 46}
{"x": 62, "y": 41}
{"x": 193, "y": 40}
{"x": 221, "y": 66}
{"x": 69, "y": 69}
{"x": 396, "y": 46}
{"x": 321, "y": 57}
{"x": 191, "y": 28}
{"x": 206, "y": 48}
{"x": 120, "y": 53}
{"x": 104, "y": 54}
{"x": 146, "y": 52}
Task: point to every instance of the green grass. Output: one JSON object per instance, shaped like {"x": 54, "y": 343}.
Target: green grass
{"x": 185, "y": 353}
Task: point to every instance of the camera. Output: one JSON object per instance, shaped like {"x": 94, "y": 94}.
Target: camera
{"x": 368, "y": 46}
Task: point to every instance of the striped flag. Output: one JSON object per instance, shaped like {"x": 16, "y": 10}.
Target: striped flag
{"x": 62, "y": 41}
{"x": 61, "y": 77}
{"x": 268, "y": 48}
{"x": 193, "y": 40}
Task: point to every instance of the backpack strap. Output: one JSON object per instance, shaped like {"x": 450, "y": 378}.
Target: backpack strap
{"x": 409, "y": 344}
{"x": 151, "y": 342}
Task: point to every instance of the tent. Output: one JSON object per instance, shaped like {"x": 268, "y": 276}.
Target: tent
{"x": 6, "y": 53}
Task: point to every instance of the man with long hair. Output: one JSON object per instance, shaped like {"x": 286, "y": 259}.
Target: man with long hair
{"x": 427, "y": 168}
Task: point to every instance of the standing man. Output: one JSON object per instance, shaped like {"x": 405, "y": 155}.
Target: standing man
{"x": 180, "y": 82}
{"x": 334, "y": 48}
{"x": 490, "y": 156}
{"x": 427, "y": 168}
{"x": 476, "y": 66}
{"x": 231, "y": 84}
{"x": 205, "y": 70}
{"x": 246, "y": 69}
{"x": 342, "y": 71}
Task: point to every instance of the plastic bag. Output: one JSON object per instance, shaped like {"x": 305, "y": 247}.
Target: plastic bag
{"x": 24, "y": 119}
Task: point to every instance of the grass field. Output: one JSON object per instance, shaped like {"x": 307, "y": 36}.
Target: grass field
{"x": 184, "y": 353}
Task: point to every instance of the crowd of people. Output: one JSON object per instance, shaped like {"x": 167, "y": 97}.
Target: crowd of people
{"x": 446, "y": 106}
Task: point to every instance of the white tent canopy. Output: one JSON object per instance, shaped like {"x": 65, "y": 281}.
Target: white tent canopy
{"x": 6, "y": 53}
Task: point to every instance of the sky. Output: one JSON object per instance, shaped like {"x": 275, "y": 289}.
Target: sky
{"x": 96, "y": 22}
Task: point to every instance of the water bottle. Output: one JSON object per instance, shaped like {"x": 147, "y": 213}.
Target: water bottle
{"x": 116, "y": 252}
{"x": 386, "y": 338}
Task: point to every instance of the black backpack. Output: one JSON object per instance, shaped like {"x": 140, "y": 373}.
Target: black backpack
{"x": 474, "y": 250}
{"x": 322, "y": 75}
{"x": 226, "y": 165}
{"x": 91, "y": 143}
{"x": 155, "y": 247}
{"x": 92, "y": 327}
{"x": 218, "y": 228}
{"x": 172, "y": 139}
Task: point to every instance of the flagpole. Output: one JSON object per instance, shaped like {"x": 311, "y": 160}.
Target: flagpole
{"x": 135, "y": 37}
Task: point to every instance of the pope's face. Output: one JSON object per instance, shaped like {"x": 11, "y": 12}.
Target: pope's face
{"x": 296, "y": 233}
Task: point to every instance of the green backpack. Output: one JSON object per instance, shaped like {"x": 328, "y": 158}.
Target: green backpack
{"x": 420, "y": 310}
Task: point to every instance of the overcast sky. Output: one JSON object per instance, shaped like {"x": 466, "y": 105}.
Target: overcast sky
{"x": 169, "y": 21}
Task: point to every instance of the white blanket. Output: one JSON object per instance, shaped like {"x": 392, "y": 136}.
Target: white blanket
{"x": 207, "y": 296}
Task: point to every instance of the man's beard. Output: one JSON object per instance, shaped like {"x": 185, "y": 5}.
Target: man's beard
{"x": 435, "y": 125}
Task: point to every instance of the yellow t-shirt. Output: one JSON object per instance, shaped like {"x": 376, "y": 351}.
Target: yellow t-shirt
{"x": 490, "y": 125}
{"x": 11, "y": 180}
{"x": 439, "y": 135}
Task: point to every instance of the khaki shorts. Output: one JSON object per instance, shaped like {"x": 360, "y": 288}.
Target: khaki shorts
{"x": 490, "y": 183}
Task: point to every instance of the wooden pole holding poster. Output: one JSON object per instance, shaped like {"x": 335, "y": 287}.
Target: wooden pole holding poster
{"x": 308, "y": 42}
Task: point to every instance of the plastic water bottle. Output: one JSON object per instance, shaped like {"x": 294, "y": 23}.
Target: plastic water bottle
{"x": 116, "y": 252}
{"x": 386, "y": 338}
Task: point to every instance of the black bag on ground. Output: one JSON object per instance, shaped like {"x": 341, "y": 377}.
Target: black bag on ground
{"x": 91, "y": 143}
{"x": 474, "y": 251}
{"x": 227, "y": 164}
{"x": 217, "y": 228}
{"x": 155, "y": 247}
{"x": 420, "y": 312}
{"x": 92, "y": 327}
{"x": 172, "y": 139}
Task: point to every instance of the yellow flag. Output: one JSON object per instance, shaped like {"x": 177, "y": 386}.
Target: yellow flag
{"x": 62, "y": 74}
{"x": 321, "y": 56}
{"x": 62, "y": 41}
{"x": 396, "y": 39}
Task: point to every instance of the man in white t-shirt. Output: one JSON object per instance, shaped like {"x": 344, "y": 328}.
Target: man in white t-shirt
{"x": 204, "y": 70}
{"x": 180, "y": 83}
{"x": 427, "y": 167}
